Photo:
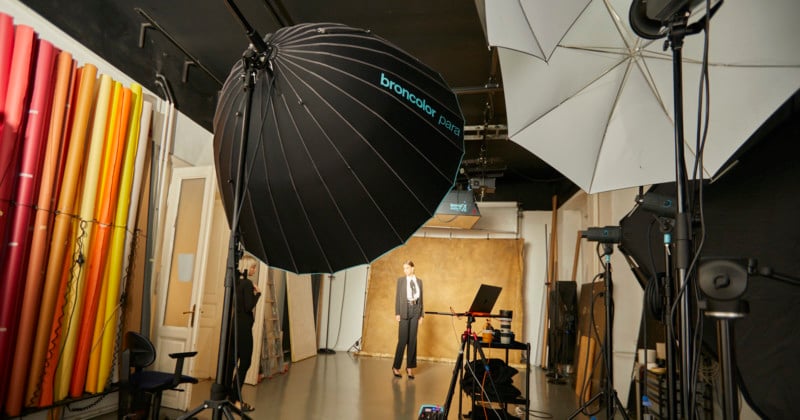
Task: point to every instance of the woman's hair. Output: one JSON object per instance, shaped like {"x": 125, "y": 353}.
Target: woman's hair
{"x": 409, "y": 263}
{"x": 246, "y": 263}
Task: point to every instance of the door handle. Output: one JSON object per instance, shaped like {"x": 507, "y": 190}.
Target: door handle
{"x": 191, "y": 324}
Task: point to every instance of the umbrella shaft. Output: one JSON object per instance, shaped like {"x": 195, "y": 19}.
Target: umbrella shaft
{"x": 223, "y": 371}
{"x": 682, "y": 228}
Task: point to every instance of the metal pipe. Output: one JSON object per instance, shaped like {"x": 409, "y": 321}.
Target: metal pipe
{"x": 175, "y": 43}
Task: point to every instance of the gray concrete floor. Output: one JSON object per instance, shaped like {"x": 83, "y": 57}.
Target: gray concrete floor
{"x": 348, "y": 386}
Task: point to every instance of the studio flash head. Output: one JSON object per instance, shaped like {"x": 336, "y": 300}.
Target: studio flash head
{"x": 606, "y": 235}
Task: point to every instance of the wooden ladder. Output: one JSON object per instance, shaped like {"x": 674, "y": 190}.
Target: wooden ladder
{"x": 272, "y": 346}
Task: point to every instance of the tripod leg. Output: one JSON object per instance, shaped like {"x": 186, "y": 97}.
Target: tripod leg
{"x": 219, "y": 409}
{"x": 620, "y": 406}
{"x": 611, "y": 400}
{"x": 454, "y": 378}
{"x": 586, "y": 405}
{"x": 194, "y": 411}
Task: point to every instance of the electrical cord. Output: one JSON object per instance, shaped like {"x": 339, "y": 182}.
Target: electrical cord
{"x": 653, "y": 298}
{"x": 469, "y": 368}
{"x": 704, "y": 100}
{"x": 537, "y": 414}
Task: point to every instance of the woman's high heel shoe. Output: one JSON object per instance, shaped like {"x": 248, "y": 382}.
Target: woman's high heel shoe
{"x": 396, "y": 372}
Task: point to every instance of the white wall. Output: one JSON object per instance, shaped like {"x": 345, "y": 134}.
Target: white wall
{"x": 347, "y": 296}
{"x": 536, "y": 229}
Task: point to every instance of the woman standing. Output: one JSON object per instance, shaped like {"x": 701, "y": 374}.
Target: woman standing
{"x": 408, "y": 313}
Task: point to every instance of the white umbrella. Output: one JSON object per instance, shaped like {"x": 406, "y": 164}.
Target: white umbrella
{"x": 530, "y": 26}
{"x": 601, "y": 109}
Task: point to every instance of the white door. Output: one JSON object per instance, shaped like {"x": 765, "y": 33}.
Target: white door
{"x": 180, "y": 281}
{"x": 210, "y": 315}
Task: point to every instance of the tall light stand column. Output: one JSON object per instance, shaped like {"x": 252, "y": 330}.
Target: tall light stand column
{"x": 607, "y": 236}
{"x": 326, "y": 350}
{"x": 683, "y": 233}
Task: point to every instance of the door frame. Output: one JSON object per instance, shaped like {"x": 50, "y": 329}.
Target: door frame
{"x": 172, "y": 399}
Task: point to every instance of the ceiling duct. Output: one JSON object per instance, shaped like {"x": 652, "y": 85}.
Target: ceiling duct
{"x": 486, "y": 132}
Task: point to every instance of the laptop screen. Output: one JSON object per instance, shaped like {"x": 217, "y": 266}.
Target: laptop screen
{"x": 485, "y": 299}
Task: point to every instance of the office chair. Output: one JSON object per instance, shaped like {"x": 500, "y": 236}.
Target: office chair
{"x": 140, "y": 389}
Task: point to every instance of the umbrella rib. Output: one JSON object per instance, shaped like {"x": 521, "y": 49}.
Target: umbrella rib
{"x": 608, "y": 118}
{"x": 253, "y": 161}
{"x": 294, "y": 184}
{"x": 618, "y": 25}
{"x": 273, "y": 115}
{"x": 656, "y": 55}
{"x": 378, "y": 116}
{"x": 556, "y": 106}
{"x": 651, "y": 82}
{"x": 293, "y": 52}
{"x": 599, "y": 49}
{"x": 428, "y": 122}
{"x": 324, "y": 184}
{"x": 270, "y": 112}
{"x": 338, "y": 152}
{"x": 533, "y": 34}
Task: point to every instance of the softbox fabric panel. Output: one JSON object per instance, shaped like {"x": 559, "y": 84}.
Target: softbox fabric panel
{"x": 751, "y": 212}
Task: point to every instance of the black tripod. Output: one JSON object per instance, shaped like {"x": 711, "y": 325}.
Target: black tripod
{"x": 608, "y": 393}
{"x": 468, "y": 339}
{"x": 218, "y": 401}
{"x": 253, "y": 61}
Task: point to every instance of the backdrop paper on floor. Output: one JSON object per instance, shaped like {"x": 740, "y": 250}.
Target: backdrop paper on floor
{"x": 452, "y": 271}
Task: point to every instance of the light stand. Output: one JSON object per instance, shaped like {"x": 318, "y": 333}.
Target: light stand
{"x": 677, "y": 28}
{"x": 608, "y": 236}
{"x": 326, "y": 350}
{"x": 663, "y": 208}
{"x": 253, "y": 60}
{"x": 723, "y": 282}
{"x": 218, "y": 401}
{"x": 683, "y": 233}
{"x": 468, "y": 337}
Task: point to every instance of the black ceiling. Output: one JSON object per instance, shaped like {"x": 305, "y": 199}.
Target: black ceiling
{"x": 194, "y": 44}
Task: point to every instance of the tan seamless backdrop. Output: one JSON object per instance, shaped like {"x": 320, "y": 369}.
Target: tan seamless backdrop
{"x": 451, "y": 271}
